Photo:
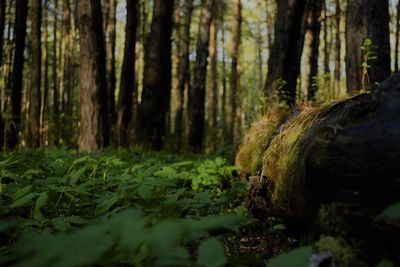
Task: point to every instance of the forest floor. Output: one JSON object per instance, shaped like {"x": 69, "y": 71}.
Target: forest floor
{"x": 135, "y": 208}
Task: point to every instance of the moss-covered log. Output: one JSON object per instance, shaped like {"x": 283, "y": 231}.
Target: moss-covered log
{"x": 347, "y": 151}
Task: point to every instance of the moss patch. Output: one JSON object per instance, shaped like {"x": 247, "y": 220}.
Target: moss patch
{"x": 249, "y": 156}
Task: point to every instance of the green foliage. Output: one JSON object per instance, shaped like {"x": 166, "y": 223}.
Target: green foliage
{"x": 344, "y": 254}
{"x": 391, "y": 213}
{"x": 299, "y": 257}
{"x": 61, "y": 208}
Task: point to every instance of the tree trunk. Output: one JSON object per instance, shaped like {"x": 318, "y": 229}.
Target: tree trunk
{"x": 184, "y": 72}
{"x": 2, "y": 27}
{"x": 284, "y": 62}
{"x": 338, "y": 49}
{"x": 367, "y": 19}
{"x": 214, "y": 77}
{"x": 396, "y": 46}
{"x": 33, "y": 139}
{"x": 198, "y": 90}
{"x": 94, "y": 117}
{"x": 56, "y": 107}
{"x": 313, "y": 23}
{"x": 110, "y": 50}
{"x": 127, "y": 86}
{"x": 326, "y": 39}
{"x": 14, "y": 126}
{"x": 67, "y": 89}
{"x": 156, "y": 94}
{"x": 45, "y": 105}
{"x": 234, "y": 78}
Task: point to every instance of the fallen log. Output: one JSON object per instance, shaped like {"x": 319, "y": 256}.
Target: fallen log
{"x": 347, "y": 151}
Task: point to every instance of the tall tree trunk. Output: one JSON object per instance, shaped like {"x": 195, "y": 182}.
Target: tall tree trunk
{"x": 45, "y": 95}
{"x": 326, "y": 39}
{"x": 313, "y": 10}
{"x": 156, "y": 93}
{"x": 110, "y": 50}
{"x": 67, "y": 92}
{"x": 198, "y": 90}
{"x": 234, "y": 78}
{"x": 94, "y": 117}
{"x": 127, "y": 86}
{"x": 214, "y": 76}
{"x": 56, "y": 106}
{"x": 14, "y": 126}
{"x": 367, "y": 19}
{"x": 284, "y": 62}
{"x": 338, "y": 48}
{"x": 33, "y": 139}
{"x": 184, "y": 71}
{"x": 396, "y": 47}
{"x": 224, "y": 83}
{"x": 2, "y": 27}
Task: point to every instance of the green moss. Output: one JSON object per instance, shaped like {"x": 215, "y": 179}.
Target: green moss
{"x": 344, "y": 254}
{"x": 249, "y": 156}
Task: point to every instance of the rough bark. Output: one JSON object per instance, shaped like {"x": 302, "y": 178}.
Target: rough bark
{"x": 56, "y": 106}
{"x": 198, "y": 90}
{"x": 234, "y": 77}
{"x": 214, "y": 77}
{"x": 313, "y": 24}
{"x": 33, "y": 139}
{"x": 156, "y": 94}
{"x": 184, "y": 72}
{"x": 396, "y": 46}
{"x": 110, "y": 50}
{"x": 284, "y": 64}
{"x": 93, "y": 96}
{"x": 2, "y": 27}
{"x": 127, "y": 86}
{"x": 367, "y": 19}
{"x": 14, "y": 126}
{"x": 338, "y": 49}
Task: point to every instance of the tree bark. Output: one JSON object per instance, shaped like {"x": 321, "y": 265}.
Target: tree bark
{"x": 56, "y": 106}
{"x": 184, "y": 72}
{"x": 367, "y": 19}
{"x": 14, "y": 126}
{"x": 214, "y": 77}
{"x": 110, "y": 50}
{"x": 2, "y": 27}
{"x": 313, "y": 23}
{"x": 156, "y": 94}
{"x": 127, "y": 86}
{"x": 338, "y": 49}
{"x": 33, "y": 139}
{"x": 284, "y": 62}
{"x": 234, "y": 77}
{"x": 198, "y": 90}
{"x": 396, "y": 46}
{"x": 94, "y": 117}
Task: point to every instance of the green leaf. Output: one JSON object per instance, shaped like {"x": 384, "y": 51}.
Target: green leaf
{"x": 211, "y": 253}
{"x": 107, "y": 204}
{"x": 23, "y": 200}
{"x": 299, "y": 257}
{"x": 40, "y": 202}
{"x": 385, "y": 263}
{"x": 75, "y": 175}
{"x": 391, "y": 213}
{"x": 22, "y": 192}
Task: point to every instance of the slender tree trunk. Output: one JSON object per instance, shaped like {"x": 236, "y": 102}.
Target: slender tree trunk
{"x": 224, "y": 84}
{"x": 214, "y": 76}
{"x": 396, "y": 47}
{"x": 314, "y": 8}
{"x": 2, "y": 27}
{"x": 284, "y": 62}
{"x": 127, "y": 86}
{"x": 13, "y": 128}
{"x": 67, "y": 92}
{"x": 367, "y": 19}
{"x": 45, "y": 95}
{"x": 326, "y": 39}
{"x": 234, "y": 78}
{"x": 184, "y": 71}
{"x": 94, "y": 117}
{"x": 198, "y": 90}
{"x": 33, "y": 139}
{"x": 156, "y": 94}
{"x": 110, "y": 50}
{"x": 56, "y": 107}
{"x": 338, "y": 49}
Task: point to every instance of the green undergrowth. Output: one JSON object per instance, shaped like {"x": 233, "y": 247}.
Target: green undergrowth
{"x": 117, "y": 208}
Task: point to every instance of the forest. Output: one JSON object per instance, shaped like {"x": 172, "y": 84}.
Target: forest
{"x": 200, "y": 133}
